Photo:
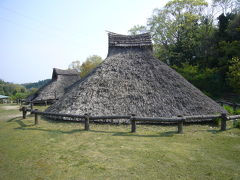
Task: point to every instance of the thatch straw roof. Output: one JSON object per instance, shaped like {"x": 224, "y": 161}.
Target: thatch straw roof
{"x": 131, "y": 81}
{"x": 54, "y": 89}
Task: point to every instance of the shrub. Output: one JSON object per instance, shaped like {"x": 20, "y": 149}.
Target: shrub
{"x": 236, "y": 124}
{"x": 217, "y": 122}
{"x": 233, "y": 74}
{"x": 229, "y": 109}
{"x": 207, "y": 80}
{"x": 237, "y": 111}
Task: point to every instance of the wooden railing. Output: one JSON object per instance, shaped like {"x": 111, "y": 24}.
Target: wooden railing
{"x": 234, "y": 105}
{"x": 86, "y": 118}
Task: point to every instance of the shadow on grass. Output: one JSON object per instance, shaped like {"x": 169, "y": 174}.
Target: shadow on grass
{"x": 19, "y": 121}
{"x": 216, "y": 131}
{"x": 114, "y": 133}
{"x": 24, "y": 126}
{"x": 168, "y": 134}
{"x": 163, "y": 134}
{"x": 51, "y": 130}
{"x": 14, "y": 119}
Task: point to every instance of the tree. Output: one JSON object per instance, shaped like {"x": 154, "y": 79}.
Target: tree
{"x": 175, "y": 30}
{"x": 13, "y": 90}
{"x": 227, "y": 6}
{"x": 90, "y": 63}
{"x": 233, "y": 29}
{"x": 206, "y": 79}
{"x": 18, "y": 95}
{"x": 138, "y": 29}
{"x": 188, "y": 37}
{"x": 222, "y": 34}
{"x": 225, "y": 45}
{"x": 75, "y": 65}
{"x": 87, "y": 66}
{"x": 234, "y": 74}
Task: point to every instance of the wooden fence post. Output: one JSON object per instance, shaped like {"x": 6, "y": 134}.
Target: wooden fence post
{"x": 180, "y": 126}
{"x": 31, "y": 105}
{"x": 36, "y": 117}
{"x": 87, "y": 122}
{"x": 223, "y": 121}
{"x": 133, "y": 123}
{"x": 24, "y": 112}
{"x": 234, "y": 107}
{"x": 234, "y": 110}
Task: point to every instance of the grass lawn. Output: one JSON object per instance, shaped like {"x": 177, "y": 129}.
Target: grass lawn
{"x": 58, "y": 150}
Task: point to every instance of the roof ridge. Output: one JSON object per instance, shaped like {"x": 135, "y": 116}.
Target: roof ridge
{"x": 65, "y": 72}
{"x": 120, "y": 40}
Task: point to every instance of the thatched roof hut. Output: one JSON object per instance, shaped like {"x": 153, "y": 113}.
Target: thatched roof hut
{"x": 132, "y": 81}
{"x": 54, "y": 89}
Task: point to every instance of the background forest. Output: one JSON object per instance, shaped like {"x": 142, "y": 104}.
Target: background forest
{"x": 200, "y": 41}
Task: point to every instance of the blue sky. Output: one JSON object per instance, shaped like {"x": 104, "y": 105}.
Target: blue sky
{"x": 38, "y": 35}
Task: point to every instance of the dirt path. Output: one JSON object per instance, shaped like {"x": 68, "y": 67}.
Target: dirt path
{"x": 9, "y": 107}
{"x": 8, "y": 112}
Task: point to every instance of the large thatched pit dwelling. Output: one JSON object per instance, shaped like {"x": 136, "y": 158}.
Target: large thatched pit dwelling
{"x": 54, "y": 89}
{"x": 132, "y": 81}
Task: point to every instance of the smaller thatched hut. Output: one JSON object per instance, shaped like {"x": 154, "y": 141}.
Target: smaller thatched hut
{"x": 54, "y": 89}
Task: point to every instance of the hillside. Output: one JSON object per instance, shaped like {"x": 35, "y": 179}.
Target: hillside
{"x": 36, "y": 84}
{"x": 20, "y": 91}
{"x": 9, "y": 89}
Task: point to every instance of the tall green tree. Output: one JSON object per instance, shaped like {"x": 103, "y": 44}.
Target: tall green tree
{"x": 175, "y": 30}
{"x": 189, "y": 37}
{"x": 225, "y": 46}
{"x": 234, "y": 74}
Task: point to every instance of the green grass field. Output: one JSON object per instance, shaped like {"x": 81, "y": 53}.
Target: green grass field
{"x": 58, "y": 150}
